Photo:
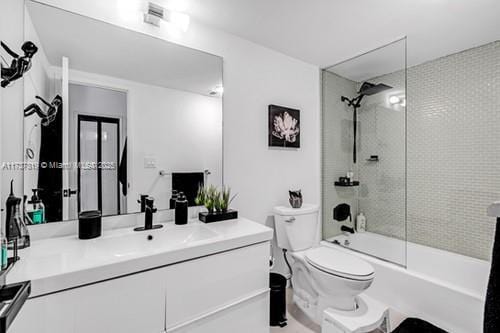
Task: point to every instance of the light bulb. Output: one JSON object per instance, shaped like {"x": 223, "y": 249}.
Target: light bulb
{"x": 394, "y": 100}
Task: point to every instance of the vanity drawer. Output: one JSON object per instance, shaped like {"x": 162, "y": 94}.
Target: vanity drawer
{"x": 248, "y": 316}
{"x": 205, "y": 285}
{"x": 131, "y": 304}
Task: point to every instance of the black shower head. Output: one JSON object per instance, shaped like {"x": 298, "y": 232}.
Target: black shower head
{"x": 369, "y": 89}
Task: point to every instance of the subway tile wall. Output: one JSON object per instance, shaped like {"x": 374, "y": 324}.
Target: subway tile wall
{"x": 454, "y": 150}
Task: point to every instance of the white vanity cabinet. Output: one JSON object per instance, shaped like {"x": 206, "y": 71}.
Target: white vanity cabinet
{"x": 222, "y": 292}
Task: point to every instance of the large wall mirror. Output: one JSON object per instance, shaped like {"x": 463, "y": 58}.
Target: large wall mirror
{"x": 111, "y": 114}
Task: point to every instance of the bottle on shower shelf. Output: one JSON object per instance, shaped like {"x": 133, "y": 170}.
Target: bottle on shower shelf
{"x": 350, "y": 175}
{"x": 361, "y": 223}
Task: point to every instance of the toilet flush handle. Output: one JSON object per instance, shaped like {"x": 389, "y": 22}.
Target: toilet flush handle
{"x": 290, "y": 220}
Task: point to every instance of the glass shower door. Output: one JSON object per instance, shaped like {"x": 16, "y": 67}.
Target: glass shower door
{"x": 364, "y": 152}
{"x": 98, "y": 157}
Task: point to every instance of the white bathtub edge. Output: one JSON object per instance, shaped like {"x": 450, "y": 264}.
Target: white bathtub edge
{"x": 418, "y": 295}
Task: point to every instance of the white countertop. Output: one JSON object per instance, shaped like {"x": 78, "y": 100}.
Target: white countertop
{"x": 56, "y": 264}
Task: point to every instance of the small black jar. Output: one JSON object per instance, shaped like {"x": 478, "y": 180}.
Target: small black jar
{"x": 89, "y": 224}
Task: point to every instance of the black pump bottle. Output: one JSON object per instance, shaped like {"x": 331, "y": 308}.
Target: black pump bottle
{"x": 181, "y": 209}
{"x": 173, "y": 199}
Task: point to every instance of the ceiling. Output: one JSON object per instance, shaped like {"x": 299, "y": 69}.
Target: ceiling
{"x": 326, "y": 32}
{"x": 97, "y": 47}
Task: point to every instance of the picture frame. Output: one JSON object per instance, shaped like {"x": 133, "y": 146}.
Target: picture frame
{"x": 283, "y": 127}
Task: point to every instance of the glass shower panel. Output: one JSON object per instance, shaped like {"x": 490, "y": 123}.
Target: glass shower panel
{"x": 364, "y": 153}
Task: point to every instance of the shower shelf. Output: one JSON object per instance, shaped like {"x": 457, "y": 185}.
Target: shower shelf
{"x": 351, "y": 184}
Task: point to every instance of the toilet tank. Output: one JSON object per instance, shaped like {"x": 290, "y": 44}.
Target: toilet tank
{"x": 296, "y": 228}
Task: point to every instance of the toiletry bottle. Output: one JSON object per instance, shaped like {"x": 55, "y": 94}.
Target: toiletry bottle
{"x": 36, "y": 209}
{"x": 3, "y": 252}
{"x": 181, "y": 209}
{"x": 350, "y": 176}
{"x": 26, "y": 216}
{"x": 173, "y": 198}
{"x": 361, "y": 223}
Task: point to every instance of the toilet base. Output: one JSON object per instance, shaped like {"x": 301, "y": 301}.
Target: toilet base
{"x": 307, "y": 306}
{"x": 369, "y": 315}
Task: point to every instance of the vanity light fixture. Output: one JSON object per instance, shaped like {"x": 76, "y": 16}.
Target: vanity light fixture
{"x": 157, "y": 13}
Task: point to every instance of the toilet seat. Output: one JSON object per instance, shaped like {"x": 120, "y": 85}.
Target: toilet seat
{"x": 340, "y": 264}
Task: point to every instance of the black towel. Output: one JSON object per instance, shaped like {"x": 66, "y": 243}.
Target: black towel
{"x": 188, "y": 182}
{"x": 122, "y": 170}
{"x": 50, "y": 179}
{"x": 492, "y": 306}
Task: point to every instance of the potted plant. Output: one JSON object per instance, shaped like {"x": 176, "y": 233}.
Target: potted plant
{"x": 216, "y": 202}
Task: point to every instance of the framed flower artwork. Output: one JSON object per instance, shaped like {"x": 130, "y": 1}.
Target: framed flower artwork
{"x": 284, "y": 127}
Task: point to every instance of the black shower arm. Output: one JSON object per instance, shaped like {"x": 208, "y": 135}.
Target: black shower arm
{"x": 355, "y": 102}
{"x": 9, "y": 51}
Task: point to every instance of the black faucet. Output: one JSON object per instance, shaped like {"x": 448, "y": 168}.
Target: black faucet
{"x": 142, "y": 201}
{"x": 149, "y": 210}
{"x": 345, "y": 228}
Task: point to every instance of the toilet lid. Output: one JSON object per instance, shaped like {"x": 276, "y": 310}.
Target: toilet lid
{"x": 339, "y": 263}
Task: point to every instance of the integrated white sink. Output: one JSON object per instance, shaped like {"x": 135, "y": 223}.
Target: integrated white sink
{"x": 186, "y": 234}
{"x": 149, "y": 241}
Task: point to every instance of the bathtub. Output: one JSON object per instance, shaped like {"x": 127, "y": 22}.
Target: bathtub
{"x": 442, "y": 287}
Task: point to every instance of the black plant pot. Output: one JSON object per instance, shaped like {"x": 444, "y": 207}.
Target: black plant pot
{"x": 209, "y": 217}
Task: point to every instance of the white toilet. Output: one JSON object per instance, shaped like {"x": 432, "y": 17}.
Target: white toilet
{"x": 322, "y": 277}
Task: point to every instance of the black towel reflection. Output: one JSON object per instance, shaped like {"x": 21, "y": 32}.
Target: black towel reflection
{"x": 188, "y": 182}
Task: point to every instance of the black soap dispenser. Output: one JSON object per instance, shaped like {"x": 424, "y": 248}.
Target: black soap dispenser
{"x": 173, "y": 199}
{"x": 181, "y": 209}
